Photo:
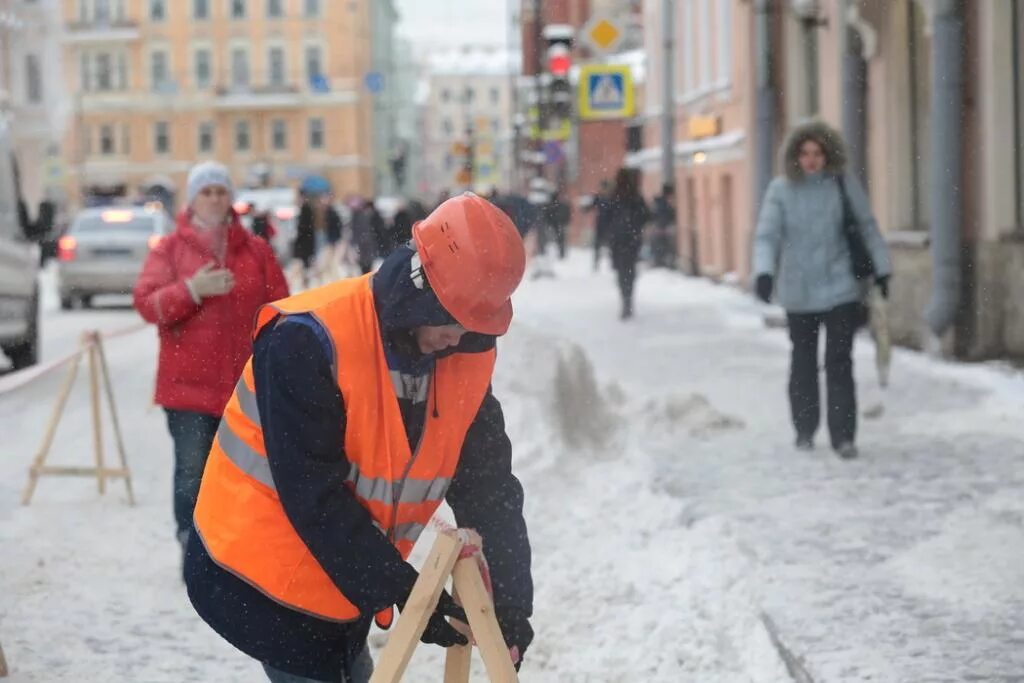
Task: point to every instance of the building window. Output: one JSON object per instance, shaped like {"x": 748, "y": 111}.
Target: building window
{"x": 159, "y": 71}
{"x": 239, "y": 67}
{"x": 107, "y": 140}
{"x": 162, "y": 137}
{"x": 122, "y": 71}
{"x": 314, "y": 63}
{"x": 157, "y": 10}
{"x": 316, "y": 133}
{"x": 312, "y": 9}
{"x": 276, "y": 70}
{"x": 687, "y": 51}
{"x": 201, "y": 9}
{"x": 279, "y": 135}
{"x": 724, "y": 37}
{"x": 33, "y": 80}
{"x": 446, "y": 95}
{"x": 205, "y": 137}
{"x": 104, "y": 73}
{"x": 237, "y": 9}
{"x": 705, "y": 44}
{"x": 243, "y": 139}
{"x": 275, "y": 9}
{"x": 101, "y": 11}
{"x": 447, "y": 127}
{"x": 495, "y": 96}
{"x": 468, "y": 95}
{"x": 203, "y": 68}
{"x": 495, "y": 125}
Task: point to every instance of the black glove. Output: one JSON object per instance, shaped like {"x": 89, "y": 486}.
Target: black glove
{"x": 765, "y": 285}
{"x": 515, "y": 627}
{"x": 882, "y": 282}
{"x": 439, "y": 631}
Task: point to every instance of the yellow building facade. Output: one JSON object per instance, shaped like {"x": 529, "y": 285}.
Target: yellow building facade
{"x": 267, "y": 87}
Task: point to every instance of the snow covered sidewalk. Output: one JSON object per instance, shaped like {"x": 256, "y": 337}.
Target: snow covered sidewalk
{"x": 670, "y": 516}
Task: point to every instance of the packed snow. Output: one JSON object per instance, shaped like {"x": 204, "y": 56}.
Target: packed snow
{"x": 677, "y": 534}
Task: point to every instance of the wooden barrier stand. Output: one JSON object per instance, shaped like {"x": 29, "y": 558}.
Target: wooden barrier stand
{"x": 92, "y": 346}
{"x": 469, "y": 588}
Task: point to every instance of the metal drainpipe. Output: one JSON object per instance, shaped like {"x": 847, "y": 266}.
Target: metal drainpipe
{"x": 946, "y": 186}
{"x": 765, "y": 136}
{"x": 855, "y": 73}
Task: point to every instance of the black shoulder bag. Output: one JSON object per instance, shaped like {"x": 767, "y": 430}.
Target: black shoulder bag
{"x": 863, "y": 267}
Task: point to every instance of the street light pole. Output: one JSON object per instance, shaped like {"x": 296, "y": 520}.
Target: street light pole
{"x": 668, "y": 118}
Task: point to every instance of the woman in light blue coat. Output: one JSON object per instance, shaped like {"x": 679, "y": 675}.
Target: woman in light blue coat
{"x": 802, "y": 250}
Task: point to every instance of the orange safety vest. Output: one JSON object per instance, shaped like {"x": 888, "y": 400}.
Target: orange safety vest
{"x": 239, "y": 516}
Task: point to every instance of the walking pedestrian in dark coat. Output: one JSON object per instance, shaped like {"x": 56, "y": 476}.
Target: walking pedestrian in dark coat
{"x": 602, "y": 219}
{"x": 802, "y": 245}
{"x": 319, "y": 225}
{"x": 628, "y": 214}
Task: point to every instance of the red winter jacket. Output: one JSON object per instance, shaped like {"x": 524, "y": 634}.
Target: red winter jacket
{"x": 203, "y": 347}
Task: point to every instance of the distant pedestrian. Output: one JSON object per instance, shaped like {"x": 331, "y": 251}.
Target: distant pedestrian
{"x": 558, "y": 214}
{"x": 201, "y": 286}
{"x": 814, "y": 220}
{"x": 319, "y": 226}
{"x": 602, "y": 208}
{"x": 628, "y": 215}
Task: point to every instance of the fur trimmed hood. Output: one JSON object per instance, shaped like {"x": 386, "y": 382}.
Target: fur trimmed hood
{"x": 830, "y": 140}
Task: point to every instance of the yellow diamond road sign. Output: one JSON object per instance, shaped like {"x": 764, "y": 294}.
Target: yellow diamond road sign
{"x": 602, "y": 34}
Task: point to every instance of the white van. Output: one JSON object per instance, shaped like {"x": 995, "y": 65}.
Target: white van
{"x": 19, "y": 263}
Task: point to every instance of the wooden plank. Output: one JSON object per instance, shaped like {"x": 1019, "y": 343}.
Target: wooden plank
{"x": 97, "y": 423}
{"x": 109, "y": 390}
{"x": 55, "y": 470}
{"x": 51, "y": 430}
{"x": 458, "y": 659}
{"x": 3, "y": 664}
{"x": 418, "y": 608}
{"x": 480, "y": 612}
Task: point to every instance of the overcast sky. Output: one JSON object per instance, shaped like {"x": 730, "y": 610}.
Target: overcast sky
{"x": 448, "y": 23}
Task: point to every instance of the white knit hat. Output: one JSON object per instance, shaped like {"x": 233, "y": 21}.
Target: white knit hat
{"x": 205, "y": 174}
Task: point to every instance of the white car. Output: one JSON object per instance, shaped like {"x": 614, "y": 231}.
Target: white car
{"x": 105, "y": 249}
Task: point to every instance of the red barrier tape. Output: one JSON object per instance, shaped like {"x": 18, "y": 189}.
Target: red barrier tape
{"x": 21, "y": 378}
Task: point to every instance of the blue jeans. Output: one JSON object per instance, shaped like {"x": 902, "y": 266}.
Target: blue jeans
{"x": 362, "y": 669}
{"x": 193, "y": 436}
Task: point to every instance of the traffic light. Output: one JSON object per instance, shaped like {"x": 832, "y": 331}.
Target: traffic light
{"x": 559, "y": 62}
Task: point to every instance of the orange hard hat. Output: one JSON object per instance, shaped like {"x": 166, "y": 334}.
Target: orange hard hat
{"x": 474, "y": 259}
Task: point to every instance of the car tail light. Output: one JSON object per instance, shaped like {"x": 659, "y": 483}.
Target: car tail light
{"x": 154, "y": 240}
{"x": 66, "y": 248}
{"x": 286, "y": 214}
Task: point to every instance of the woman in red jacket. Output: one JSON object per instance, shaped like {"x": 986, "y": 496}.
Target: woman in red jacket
{"x": 201, "y": 286}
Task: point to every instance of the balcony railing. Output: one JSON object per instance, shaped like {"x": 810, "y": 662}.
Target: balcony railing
{"x": 118, "y": 30}
{"x": 257, "y": 96}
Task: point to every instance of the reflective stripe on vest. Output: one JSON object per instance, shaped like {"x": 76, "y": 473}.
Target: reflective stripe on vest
{"x": 239, "y": 516}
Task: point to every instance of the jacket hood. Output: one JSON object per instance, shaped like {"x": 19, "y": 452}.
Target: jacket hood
{"x": 402, "y": 306}
{"x": 831, "y": 142}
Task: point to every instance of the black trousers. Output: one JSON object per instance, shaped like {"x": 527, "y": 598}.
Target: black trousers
{"x": 804, "y": 396}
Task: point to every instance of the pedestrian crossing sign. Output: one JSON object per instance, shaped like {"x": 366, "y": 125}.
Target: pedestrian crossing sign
{"x": 605, "y": 92}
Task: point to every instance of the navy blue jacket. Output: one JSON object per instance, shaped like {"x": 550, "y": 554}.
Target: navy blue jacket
{"x": 303, "y": 417}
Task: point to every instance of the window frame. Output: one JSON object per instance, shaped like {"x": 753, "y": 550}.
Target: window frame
{"x": 153, "y": 4}
{"x": 242, "y": 129}
{"x": 279, "y": 126}
{"x": 34, "y": 90}
{"x": 316, "y": 126}
{"x": 272, "y": 49}
{"x": 165, "y": 128}
{"x": 203, "y": 128}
